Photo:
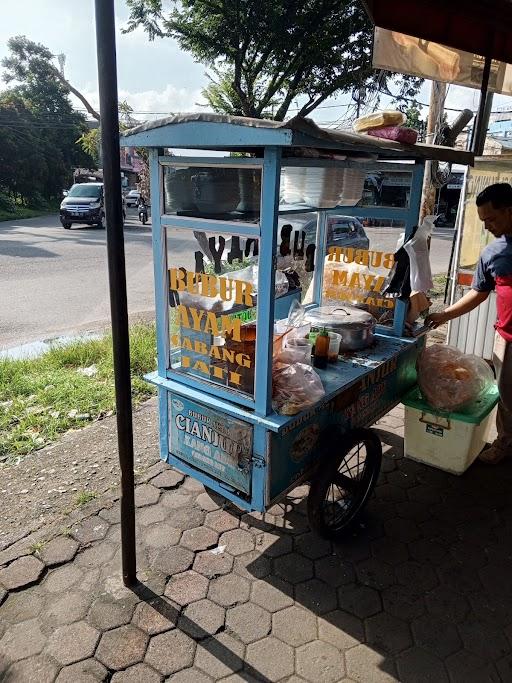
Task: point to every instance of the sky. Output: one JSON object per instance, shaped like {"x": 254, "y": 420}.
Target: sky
{"x": 152, "y": 76}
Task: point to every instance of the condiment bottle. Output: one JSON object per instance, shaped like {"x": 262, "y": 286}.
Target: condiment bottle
{"x": 321, "y": 349}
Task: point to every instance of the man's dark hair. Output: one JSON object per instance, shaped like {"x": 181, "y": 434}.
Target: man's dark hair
{"x": 499, "y": 195}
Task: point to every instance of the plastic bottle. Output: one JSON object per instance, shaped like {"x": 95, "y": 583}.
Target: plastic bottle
{"x": 321, "y": 349}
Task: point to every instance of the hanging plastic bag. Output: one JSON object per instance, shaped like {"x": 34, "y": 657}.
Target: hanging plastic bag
{"x": 419, "y": 257}
{"x": 450, "y": 379}
{"x": 295, "y": 387}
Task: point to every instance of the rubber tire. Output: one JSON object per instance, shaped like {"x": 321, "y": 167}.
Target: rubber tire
{"x": 325, "y": 474}
{"x": 101, "y": 224}
{"x": 66, "y": 226}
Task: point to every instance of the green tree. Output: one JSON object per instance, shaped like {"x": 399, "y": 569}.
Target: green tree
{"x": 267, "y": 51}
{"x": 53, "y": 127}
{"x": 414, "y": 121}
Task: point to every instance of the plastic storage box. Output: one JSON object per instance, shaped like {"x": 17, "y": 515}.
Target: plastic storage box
{"x": 448, "y": 441}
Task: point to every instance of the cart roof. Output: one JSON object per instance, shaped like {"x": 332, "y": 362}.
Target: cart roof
{"x": 230, "y": 133}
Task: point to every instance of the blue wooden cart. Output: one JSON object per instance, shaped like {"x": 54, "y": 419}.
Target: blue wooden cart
{"x": 217, "y": 423}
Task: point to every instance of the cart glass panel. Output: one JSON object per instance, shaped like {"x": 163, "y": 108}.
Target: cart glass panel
{"x": 213, "y": 280}
{"x": 213, "y": 192}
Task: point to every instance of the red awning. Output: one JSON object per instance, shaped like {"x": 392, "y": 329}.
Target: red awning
{"x": 479, "y": 26}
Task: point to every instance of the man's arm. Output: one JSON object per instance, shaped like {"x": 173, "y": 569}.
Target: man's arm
{"x": 468, "y": 302}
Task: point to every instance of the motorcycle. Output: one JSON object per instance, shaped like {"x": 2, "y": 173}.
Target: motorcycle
{"x": 143, "y": 213}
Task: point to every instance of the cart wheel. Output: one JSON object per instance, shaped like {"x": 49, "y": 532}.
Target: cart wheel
{"x": 343, "y": 484}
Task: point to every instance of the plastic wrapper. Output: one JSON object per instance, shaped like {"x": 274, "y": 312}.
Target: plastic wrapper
{"x": 450, "y": 380}
{"x": 419, "y": 256}
{"x": 295, "y": 387}
{"x": 379, "y": 119}
{"x": 409, "y": 136}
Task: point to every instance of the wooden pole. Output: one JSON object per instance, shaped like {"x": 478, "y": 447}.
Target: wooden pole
{"x": 435, "y": 116}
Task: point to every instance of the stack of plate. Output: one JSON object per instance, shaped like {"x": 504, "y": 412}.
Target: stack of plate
{"x": 216, "y": 190}
{"x": 323, "y": 186}
{"x": 352, "y": 187}
{"x": 293, "y": 185}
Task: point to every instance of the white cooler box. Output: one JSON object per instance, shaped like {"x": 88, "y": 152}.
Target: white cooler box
{"x": 449, "y": 441}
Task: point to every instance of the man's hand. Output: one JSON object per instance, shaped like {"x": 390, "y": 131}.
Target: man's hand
{"x": 435, "y": 319}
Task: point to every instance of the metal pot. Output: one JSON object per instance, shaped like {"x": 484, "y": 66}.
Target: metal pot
{"x": 357, "y": 327}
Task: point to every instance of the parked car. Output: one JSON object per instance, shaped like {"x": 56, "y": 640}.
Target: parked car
{"x": 132, "y": 198}
{"x": 342, "y": 231}
{"x": 84, "y": 203}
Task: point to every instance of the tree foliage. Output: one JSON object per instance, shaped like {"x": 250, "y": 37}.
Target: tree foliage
{"x": 264, "y": 52}
{"x": 38, "y": 126}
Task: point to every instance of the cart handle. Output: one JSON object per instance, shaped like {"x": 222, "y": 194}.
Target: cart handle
{"x": 340, "y": 309}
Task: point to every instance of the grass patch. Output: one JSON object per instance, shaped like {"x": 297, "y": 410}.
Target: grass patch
{"x": 85, "y": 497}
{"x": 43, "y": 397}
{"x": 23, "y": 212}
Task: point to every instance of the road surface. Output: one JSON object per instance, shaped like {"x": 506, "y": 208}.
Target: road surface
{"x": 54, "y": 281}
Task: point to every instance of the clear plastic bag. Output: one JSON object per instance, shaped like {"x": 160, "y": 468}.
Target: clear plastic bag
{"x": 295, "y": 387}
{"x": 450, "y": 379}
{"x": 419, "y": 256}
{"x": 379, "y": 119}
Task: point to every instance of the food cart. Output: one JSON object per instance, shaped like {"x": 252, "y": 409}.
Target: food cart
{"x": 222, "y": 236}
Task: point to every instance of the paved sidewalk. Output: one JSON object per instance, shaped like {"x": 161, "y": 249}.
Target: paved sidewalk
{"x": 421, "y": 593}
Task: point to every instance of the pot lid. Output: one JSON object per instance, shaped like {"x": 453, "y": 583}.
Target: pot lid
{"x": 340, "y": 316}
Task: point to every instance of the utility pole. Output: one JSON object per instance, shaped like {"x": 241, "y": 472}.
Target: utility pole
{"x": 434, "y": 121}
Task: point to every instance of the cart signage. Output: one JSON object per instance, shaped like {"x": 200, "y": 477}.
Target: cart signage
{"x": 217, "y": 444}
{"x": 358, "y": 276}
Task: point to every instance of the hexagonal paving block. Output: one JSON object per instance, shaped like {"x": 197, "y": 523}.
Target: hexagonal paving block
{"x": 97, "y": 555}
{"x": 209, "y": 502}
{"x": 145, "y": 494}
{"x": 420, "y": 575}
{"x": 375, "y": 573}
{"x": 107, "y": 613}
{"x": 390, "y": 551}
{"x": 466, "y": 666}
{"x": 427, "y": 550}
{"x": 387, "y": 633}
{"x": 154, "y": 618}
{"x": 341, "y": 629}
{"x": 403, "y": 602}
{"x": 160, "y": 535}
{"x": 248, "y": 622}
{"x": 271, "y": 658}
{"x": 361, "y": 601}
{"x": 122, "y": 647}
{"x": 220, "y": 656}
{"x": 319, "y": 661}
{"x": 22, "y": 640}
{"x": 446, "y": 604}
{"x": 213, "y": 564}
{"x": 186, "y": 517}
{"x": 174, "y": 500}
{"x": 419, "y": 665}
{"x": 67, "y": 609}
{"x": 244, "y": 677}
{"x": 140, "y": 673}
{"x": 229, "y": 590}
{"x": 365, "y": 665}
{"x": 187, "y": 587}
{"x": 191, "y": 675}
{"x": 58, "y": 550}
{"x": 437, "y": 635}
{"x": 87, "y": 671}
{"x": 202, "y": 619}
{"x": 317, "y": 596}
{"x": 294, "y": 625}
{"x": 22, "y": 606}
{"x": 237, "y": 541}
{"x": 272, "y": 544}
{"x": 313, "y": 546}
{"x": 221, "y": 521}
{"x": 294, "y": 568}
{"x": 272, "y": 594}
{"x": 252, "y": 565}
{"x": 151, "y": 515}
{"x": 91, "y": 529}
{"x": 170, "y": 652}
{"x": 21, "y": 572}
{"x": 491, "y": 648}
{"x": 61, "y": 579}
{"x": 173, "y": 560}
{"x": 168, "y": 479}
{"x": 334, "y": 570}
{"x": 40, "y": 669}
{"x": 200, "y": 538}
{"x": 70, "y": 644}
